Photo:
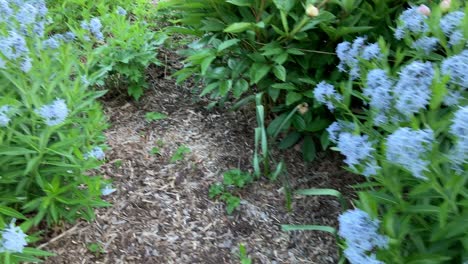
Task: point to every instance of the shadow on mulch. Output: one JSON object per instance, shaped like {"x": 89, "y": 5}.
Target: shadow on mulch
{"x": 161, "y": 212}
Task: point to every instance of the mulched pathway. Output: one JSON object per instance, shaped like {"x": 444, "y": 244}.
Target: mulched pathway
{"x": 161, "y": 212}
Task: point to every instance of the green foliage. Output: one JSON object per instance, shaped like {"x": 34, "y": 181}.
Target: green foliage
{"x": 95, "y": 248}
{"x": 231, "y": 179}
{"x": 274, "y": 47}
{"x": 180, "y": 153}
{"x": 153, "y": 116}
{"x": 421, "y": 202}
{"x": 130, "y": 45}
{"x": 244, "y": 257}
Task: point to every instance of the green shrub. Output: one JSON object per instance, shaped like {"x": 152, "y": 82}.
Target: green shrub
{"x": 275, "y": 47}
{"x": 125, "y": 46}
{"x": 51, "y": 130}
{"x": 410, "y": 141}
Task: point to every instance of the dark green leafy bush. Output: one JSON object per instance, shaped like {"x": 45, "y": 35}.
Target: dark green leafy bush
{"x": 279, "y": 48}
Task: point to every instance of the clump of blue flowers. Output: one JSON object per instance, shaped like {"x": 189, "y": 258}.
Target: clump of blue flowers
{"x": 412, "y": 20}
{"x": 121, "y": 11}
{"x": 94, "y": 27}
{"x": 362, "y": 236}
{"x": 413, "y": 89}
{"x": 459, "y": 129}
{"x": 379, "y": 90}
{"x": 95, "y": 153}
{"x": 455, "y": 66}
{"x": 349, "y": 54}
{"x": 451, "y": 26}
{"x": 326, "y": 94}
{"x": 54, "y": 113}
{"x": 409, "y": 148}
{"x": 13, "y": 239}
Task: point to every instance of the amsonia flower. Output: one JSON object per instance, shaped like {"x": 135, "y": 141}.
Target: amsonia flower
{"x": 409, "y": 148}
{"x": 107, "y": 189}
{"x": 13, "y": 239}
{"x": 378, "y": 89}
{"x": 371, "y": 51}
{"x": 411, "y": 20}
{"x": 4, "y": 119}
{"x": 413, "y": 90}
{"x": 426, "y": 44}
{"x": 121, "y": 11}
{"x": 95, "y": 153}
{"x": 54, "y": 113}
{"x": 355, "y": 148}
{"x": 326, "y": 94}
{"x": 459, "y": 129}
{"x": 451, "y": 21}
{"x": 456, "y": 66}
{"x": 362, "y": 236}
{"x": 338, "y": 127}
{"x": 95, "y": 28}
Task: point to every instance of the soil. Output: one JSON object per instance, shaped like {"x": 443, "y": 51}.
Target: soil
{"x": 161, "y": 212}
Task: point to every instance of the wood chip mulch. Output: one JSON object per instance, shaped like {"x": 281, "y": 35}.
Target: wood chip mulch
{"x": 161, "y": 212}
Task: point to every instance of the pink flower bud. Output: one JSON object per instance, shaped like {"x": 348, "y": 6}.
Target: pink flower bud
{"x": 312, "y": 11}
{"x": 445, "y": 5}
{"x": 423, "y": 9}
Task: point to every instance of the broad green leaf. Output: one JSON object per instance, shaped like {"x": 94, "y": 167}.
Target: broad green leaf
{"x": 293, "y": 97}
{"x": 280, "y": 72}
{"x": 290, "y": 140}
{"x": 308, "y": 149}
{"x": 258, "y": 71}
{"x": 228, "y": 43}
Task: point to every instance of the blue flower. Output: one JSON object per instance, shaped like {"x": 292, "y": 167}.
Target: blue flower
{"x": 362, "y": 236}
{"x": 456, "y": 38}
{"x": 54, "y": 113}
{"x": 413, "y": 90}
{"x": 95, "y": 153}
{"x": 68, "y": 36}
{"x": 355, "y": 148}
{"x": 13, "y": 239}
{"x": 371, "y": 51}
{"x": 5, "y": 11}
{"x": 456, "y": 66}
{"x": 121, "y": 11}
{"x": 413, "y": 21}
{"x": 338, "y": 127}
{"x": 95, "y": 28}
{"x": 426, "y": 44}
{"x": 107, "y": 189}
{"x": 409, "y": 149}
{"x": 26, "y": 65}
{"x": 14, "y": 46}
{"x": 326, "y": 94}
{"x": 450, "y": 22}
{"x": 4, "y": 119}
{"x": 51, "y": 43}
{"x": 26, "y": 14}
{"x": 459, "y": 129}
{"x": 378, "y": 89}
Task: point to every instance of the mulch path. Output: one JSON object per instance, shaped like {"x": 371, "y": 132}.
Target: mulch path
{"x": 161, "y": 212}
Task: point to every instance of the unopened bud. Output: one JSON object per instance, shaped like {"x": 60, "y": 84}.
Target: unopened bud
{"x": 303, "y": 108}
{"x": 312, "y": 11}
{"x": 425, "y": 10}
{"x": 445, "y": 5}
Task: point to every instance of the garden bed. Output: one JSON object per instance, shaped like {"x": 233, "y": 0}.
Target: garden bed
{"x": 161, "y": 212}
